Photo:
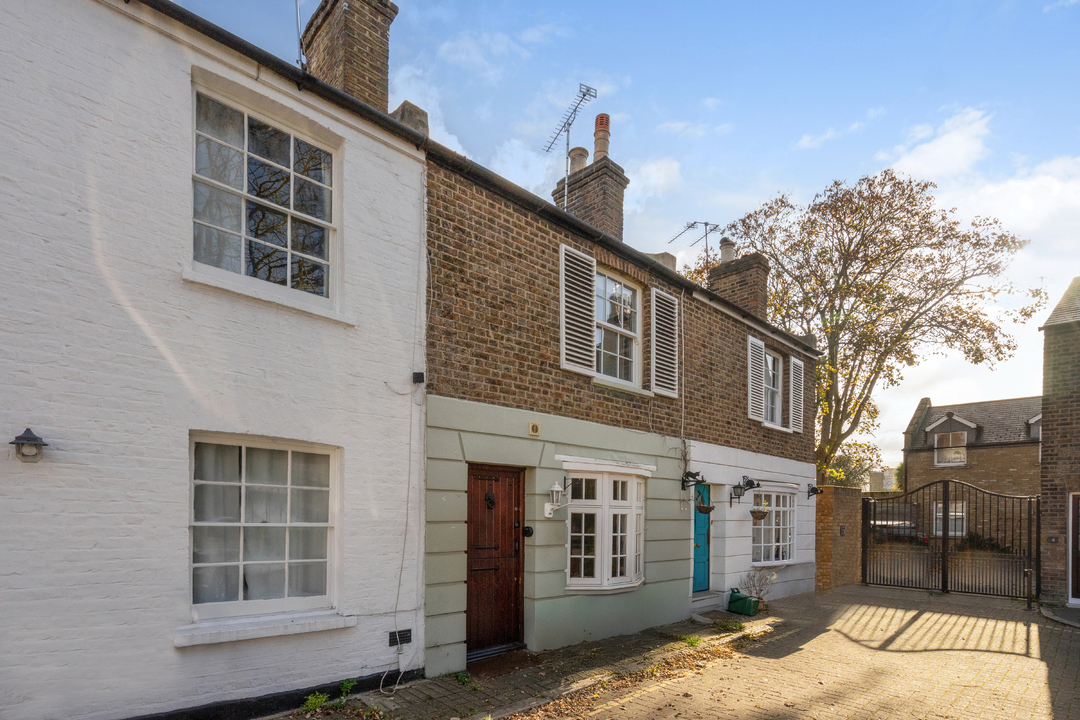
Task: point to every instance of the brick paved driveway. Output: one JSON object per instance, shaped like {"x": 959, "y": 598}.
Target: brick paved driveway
{"x": 880, "y": 653}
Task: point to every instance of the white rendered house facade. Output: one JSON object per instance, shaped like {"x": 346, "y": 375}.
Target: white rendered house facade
{"x": 213, "y": 313}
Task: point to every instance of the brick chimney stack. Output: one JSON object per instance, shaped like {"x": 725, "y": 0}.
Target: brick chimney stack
{"x": 596, "y": 189}
{"x": 743, "y": 281}
{"x": 347, "y": 44}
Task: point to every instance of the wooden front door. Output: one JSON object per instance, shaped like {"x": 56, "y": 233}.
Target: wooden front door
{"x": 494, "y": 608}
{"x": 1075, "y": 546}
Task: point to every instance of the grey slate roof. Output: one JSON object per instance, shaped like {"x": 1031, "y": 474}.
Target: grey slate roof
{"x": 1000, "y": 421}
{"x": 1068, "y": 308}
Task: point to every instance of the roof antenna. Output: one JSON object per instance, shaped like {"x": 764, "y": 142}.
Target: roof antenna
{"x": 300, "y": 59}
{"x": 709, "y": 228}
{"x": 585, "y": 94}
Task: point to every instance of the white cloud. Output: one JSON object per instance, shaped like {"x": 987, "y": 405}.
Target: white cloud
{"x": 808, "y": 142}
{"x": 482, "y": 53}
{"x": 874, "y": 113}
{"x": 958, "y": 144}
{"x": 692, "y": 131}
{"x": 652, "y": 179}
{"x": 408, "y": 83}
{"x": 533, "y": 170}
{"x": 712, "y": 102}
{"x": 1060, "y": 4}
{"x": 541, "y": 34}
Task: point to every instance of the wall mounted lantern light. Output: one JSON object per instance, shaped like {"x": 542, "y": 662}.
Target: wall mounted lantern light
{"x": 556, "y": 492}
{"x": 811, "y": 491}
{"x": 739, "y": 489}
{"x": 29, "y": 447}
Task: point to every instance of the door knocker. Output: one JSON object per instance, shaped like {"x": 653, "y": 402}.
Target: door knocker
{"x": 490, "y": 500}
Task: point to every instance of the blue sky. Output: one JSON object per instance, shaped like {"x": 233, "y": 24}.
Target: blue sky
{"x": 717, "y": 107}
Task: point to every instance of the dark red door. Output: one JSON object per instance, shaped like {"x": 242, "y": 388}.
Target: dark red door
{"x": 494, "y": 609}
{"x": 1075, "y": 559}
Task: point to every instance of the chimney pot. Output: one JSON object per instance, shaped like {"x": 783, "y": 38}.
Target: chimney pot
{"x": 727, "y": 250}
{"x": 578, "y": 159}
{"x": 601, "y": 135}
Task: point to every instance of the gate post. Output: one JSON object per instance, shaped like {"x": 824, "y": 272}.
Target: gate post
{"x": 1029, "y": 569}
{"x": 1038, "y": 546}
{"x": 946, "y": 520}
{"x": 865, "y": 535}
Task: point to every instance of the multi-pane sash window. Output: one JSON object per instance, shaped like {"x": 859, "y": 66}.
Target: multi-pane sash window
{"x": 950, "y": 448}
{"x": 262, "y": 199}
{"x": 606, "y": 530}
{"x": 774, "y": 536}
{"x": 957, "y": 518}
{"x": 261, "y": 523}
{"x": 773, "y": 370}
{"x": 617, "y": 328}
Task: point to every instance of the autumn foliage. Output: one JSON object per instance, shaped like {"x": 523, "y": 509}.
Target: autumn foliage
{"x": 883, "y": 277}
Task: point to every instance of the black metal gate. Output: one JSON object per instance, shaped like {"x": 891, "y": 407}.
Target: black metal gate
{"x": 953, "y": 537}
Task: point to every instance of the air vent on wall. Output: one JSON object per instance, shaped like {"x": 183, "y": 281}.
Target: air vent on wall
{"x": 400, "y": 637}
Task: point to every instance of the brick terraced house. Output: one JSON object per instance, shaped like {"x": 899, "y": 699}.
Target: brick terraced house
{"x": 1061, "y": 451}
{"x": 993, "y": 445}
{"x": 572, "y": 383}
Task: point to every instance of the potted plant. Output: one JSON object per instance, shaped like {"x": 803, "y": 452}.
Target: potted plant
{"x": 759, "y": 514}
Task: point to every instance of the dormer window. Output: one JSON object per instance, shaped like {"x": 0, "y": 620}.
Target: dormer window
{"x": 950, "y": 448}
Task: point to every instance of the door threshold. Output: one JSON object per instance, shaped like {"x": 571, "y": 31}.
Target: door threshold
{"x": 492, "y": 651}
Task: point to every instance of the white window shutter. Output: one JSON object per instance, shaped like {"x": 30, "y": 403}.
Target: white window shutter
{"x": 665, "y": 343}
{"x": 756, "y": 379}
{"x": 796, "y": 396}
{"x": 577, "y": 283}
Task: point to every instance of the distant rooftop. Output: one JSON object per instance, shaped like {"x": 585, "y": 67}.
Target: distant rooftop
{"x": 999, "y": 421}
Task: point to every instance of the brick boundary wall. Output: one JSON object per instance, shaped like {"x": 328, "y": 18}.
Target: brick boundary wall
{"x": 1061, "y": 452}
{"x": 839, "y": 556}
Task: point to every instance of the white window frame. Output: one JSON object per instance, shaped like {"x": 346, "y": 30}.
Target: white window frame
{"x": 937, "y": 460}
{"x": 605, "y": 471}
{"x": 241, "y": 607}
{"x": 957, "y": 509}
{"x": 777, "y": 404}
{"x": 637, "y": 361}
{"x": 257, "y": 287}
{"x": 775, "y": 546}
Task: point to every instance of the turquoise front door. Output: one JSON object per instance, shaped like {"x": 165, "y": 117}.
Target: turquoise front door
{"x": 701, "y": 540}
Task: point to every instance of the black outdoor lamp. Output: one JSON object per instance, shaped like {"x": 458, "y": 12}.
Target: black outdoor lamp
{"x": 739, "y": 489}
{"x": 29, "y": 447}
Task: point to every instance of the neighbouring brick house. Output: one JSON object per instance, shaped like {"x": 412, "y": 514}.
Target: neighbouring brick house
{"x": 993, "y": 445}
{"x": 228, "y": 512}
{"x": 1061, "y": 451}
{"x": 572, "y": 382}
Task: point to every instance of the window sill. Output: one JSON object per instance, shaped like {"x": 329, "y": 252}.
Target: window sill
{"x": 781, "y": 428}
{"x": 209, "y": 632}
{"x": 950, "y": 466}
{"x": 775, "y": 564}
{"x": 226, "y": 281}
{"x": 617, "y": 385}
{"x": 579, "y": 590}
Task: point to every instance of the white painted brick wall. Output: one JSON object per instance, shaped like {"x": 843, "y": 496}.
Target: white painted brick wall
{"x": 110, "y": 356}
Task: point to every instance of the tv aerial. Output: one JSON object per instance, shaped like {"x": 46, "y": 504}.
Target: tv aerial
{"x": 584, "y": 95}
{"x": 709, "y": 228}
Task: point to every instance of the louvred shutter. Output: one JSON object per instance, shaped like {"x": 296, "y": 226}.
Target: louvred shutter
{"x": 756, "y": 379}
{"x": 577, "y": 282}
{"x": 796, "y": 396}
{"x": 665, "y": 343}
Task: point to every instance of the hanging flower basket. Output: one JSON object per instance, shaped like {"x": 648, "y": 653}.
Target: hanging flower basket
{"x": 759, "y": 514}
{"x": 706, "y": 509}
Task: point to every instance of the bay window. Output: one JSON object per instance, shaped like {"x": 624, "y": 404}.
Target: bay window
{"x": 774, "y": 535}
{"x": 605, "y": 518}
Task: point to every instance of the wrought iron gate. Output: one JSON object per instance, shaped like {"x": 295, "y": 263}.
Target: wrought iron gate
{"x": 953, "y": 537}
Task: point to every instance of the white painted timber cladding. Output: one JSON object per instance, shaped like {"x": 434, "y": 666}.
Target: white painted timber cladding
{"x": 577, "y": 280}
{"x": 111, "y": 357}
{"x": 755, "y": 382}
{"x": 665, "y": 343}
{"x": 797, "y": 395}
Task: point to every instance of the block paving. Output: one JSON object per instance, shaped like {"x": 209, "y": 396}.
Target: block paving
{"x": 854, "y": 653}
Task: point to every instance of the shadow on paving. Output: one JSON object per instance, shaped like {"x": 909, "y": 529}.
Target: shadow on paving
{"x": 967, "y": 631}
{"x": 546, "y": 675}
